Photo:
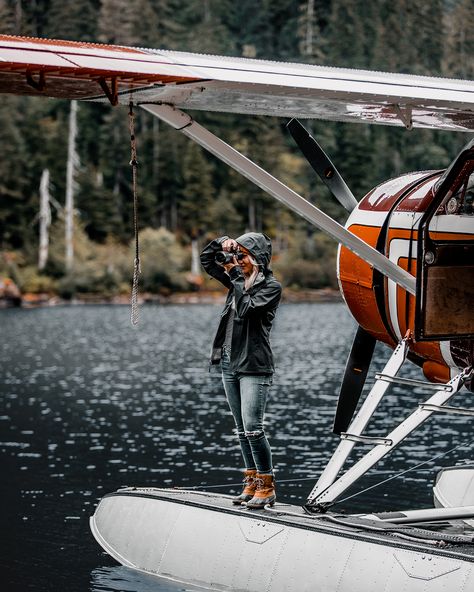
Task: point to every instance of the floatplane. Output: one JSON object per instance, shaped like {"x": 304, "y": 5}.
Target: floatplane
{"x": 406, "y": 272}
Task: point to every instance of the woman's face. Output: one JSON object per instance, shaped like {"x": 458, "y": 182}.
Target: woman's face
{"x": 245, "y": 263}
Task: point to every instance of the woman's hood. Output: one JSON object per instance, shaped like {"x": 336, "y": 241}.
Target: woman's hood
{"x": 258, "y": 245}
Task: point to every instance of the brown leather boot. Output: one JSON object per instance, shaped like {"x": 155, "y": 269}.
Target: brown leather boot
{"x": 249, "y": 488}
{"x": 264, "y": 494}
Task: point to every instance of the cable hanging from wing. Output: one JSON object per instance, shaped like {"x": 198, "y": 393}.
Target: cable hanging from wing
{"x": 134, "y": 317}
{"x": 399, "y": 474}
{"x": 390, "y": 478}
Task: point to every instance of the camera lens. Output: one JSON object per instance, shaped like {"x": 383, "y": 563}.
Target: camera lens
{"x": 222, "y": 257}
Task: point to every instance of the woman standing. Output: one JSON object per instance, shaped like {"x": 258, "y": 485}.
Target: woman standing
{"x": 242, "y": 347}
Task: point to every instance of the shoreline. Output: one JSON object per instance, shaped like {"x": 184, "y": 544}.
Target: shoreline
{"x": 205, "y": 297}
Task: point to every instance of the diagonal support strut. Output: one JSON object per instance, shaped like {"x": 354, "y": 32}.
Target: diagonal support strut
{"x": 320, "y": 500}
{"x": 185, "y": 123}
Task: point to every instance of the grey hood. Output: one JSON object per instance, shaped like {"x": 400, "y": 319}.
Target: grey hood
{"x": 259, "y": 246}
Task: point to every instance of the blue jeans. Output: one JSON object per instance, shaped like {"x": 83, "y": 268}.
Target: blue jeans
{"x": 247, "y": 397}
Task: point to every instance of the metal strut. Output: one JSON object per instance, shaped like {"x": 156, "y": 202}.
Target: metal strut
{"x": 112, "y": 92}
{"x": 184, "y": 123}
{"x": 359, "y": 423}
{"x": 328, "y": 489}
{"x": 39, "y": 84}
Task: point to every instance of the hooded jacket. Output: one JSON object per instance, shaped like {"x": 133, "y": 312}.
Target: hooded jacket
{"x": 254, "y": 309}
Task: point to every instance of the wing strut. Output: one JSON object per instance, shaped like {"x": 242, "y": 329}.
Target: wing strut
{"x": 185, "y": 123}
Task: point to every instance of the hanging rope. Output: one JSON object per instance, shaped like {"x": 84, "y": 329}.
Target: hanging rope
{"x": 134, "y": 317}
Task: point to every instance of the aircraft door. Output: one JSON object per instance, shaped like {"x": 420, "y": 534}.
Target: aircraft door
{"x": 445, "y": 266}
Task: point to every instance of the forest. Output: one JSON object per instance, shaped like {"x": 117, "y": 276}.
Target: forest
{"x": 186, "y": 197}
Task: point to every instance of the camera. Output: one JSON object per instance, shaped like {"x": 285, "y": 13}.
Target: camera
{"x": 224, "y": 257}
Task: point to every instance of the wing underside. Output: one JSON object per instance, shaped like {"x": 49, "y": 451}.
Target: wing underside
{"x": 85, "y": 71}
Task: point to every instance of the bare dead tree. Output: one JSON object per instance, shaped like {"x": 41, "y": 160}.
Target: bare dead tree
{"x": 72, "y": 161}
{"x": 44, "y": 220}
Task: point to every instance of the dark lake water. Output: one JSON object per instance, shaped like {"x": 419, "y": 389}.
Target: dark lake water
{"x": 89, "y": 404}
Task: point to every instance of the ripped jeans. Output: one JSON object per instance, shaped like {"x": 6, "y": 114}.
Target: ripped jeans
{"x": 247, "y": 397}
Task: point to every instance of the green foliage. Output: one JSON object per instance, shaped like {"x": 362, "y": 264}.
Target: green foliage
{"x": 309, "y": 262}
{"x": 163, "y": 261}
{"x": 89, "y": 277}
{"x": 101, "y": 269}
{"x": 197, "y": 191}
{"x": 30, "y": 280}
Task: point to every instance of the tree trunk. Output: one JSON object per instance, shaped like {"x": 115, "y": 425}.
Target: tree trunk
{"x": 44, "y": 220}
{"x": 18, "y": 17}
{"x": 71, "y": 165}
{"x": 173, "y": 214}
{"x": 252, "y": 215}
{"x": 195, "y": 264}
{"x": 309, "y": 27}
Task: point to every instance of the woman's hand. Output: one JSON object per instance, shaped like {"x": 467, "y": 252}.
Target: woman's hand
{"x": 229, "y": 245}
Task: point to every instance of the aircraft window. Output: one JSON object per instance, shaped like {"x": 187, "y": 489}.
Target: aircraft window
{"x": 460, "y": 200}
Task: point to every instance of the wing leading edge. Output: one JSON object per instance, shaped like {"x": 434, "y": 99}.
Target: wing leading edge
{"x": 86, "y": 71}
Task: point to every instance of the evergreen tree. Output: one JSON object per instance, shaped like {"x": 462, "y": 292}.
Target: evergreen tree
{"x": 247, "y": 26}
{"x": 170, "y": 29}
{"x": 7, "y": 18}
{"x": 281, "y": 25}
{"x": 118, "y": 23}
{"x": 16, "y": 212}
{"x": 310, "y": 40}
{"x": 198, "y": 192}
{"x": 97, "y": 205}
{"x": 113, "y": 163}
{"x": 223, "y": 216}
{"x": 393, "y": 47}
{"x": 205, "y": 31}
{"x": 459, "y": 39}
{"x": 72, "y": 20}
{"x": 145, "y": 24}
{"x": 428, "y": 18}
{"x": 260, "y": 139}
{"x": 345, "y": 35}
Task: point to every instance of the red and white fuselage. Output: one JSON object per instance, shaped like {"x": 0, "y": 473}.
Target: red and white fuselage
{"x": 388, "y": 219}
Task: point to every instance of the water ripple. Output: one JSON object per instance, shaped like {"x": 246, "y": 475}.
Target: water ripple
{"x": 90, "y": 404}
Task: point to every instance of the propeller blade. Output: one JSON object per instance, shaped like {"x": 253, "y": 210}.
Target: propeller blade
{"x": 353, "y": 382}
{"x": 320, "y": 162}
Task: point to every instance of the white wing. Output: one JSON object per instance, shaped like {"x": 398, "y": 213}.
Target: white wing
{"x": 85, "y": 71}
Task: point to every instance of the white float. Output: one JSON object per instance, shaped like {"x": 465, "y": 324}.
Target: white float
{"x": 202, "y": 540}
{"x": 454, "y": 487}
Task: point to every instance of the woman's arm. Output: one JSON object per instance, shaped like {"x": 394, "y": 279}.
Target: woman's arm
{"x": 208, "y": 256}
{"x": 266, "y": 298}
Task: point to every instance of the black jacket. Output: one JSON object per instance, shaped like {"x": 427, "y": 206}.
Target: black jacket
{"x": 254, "y": 310}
